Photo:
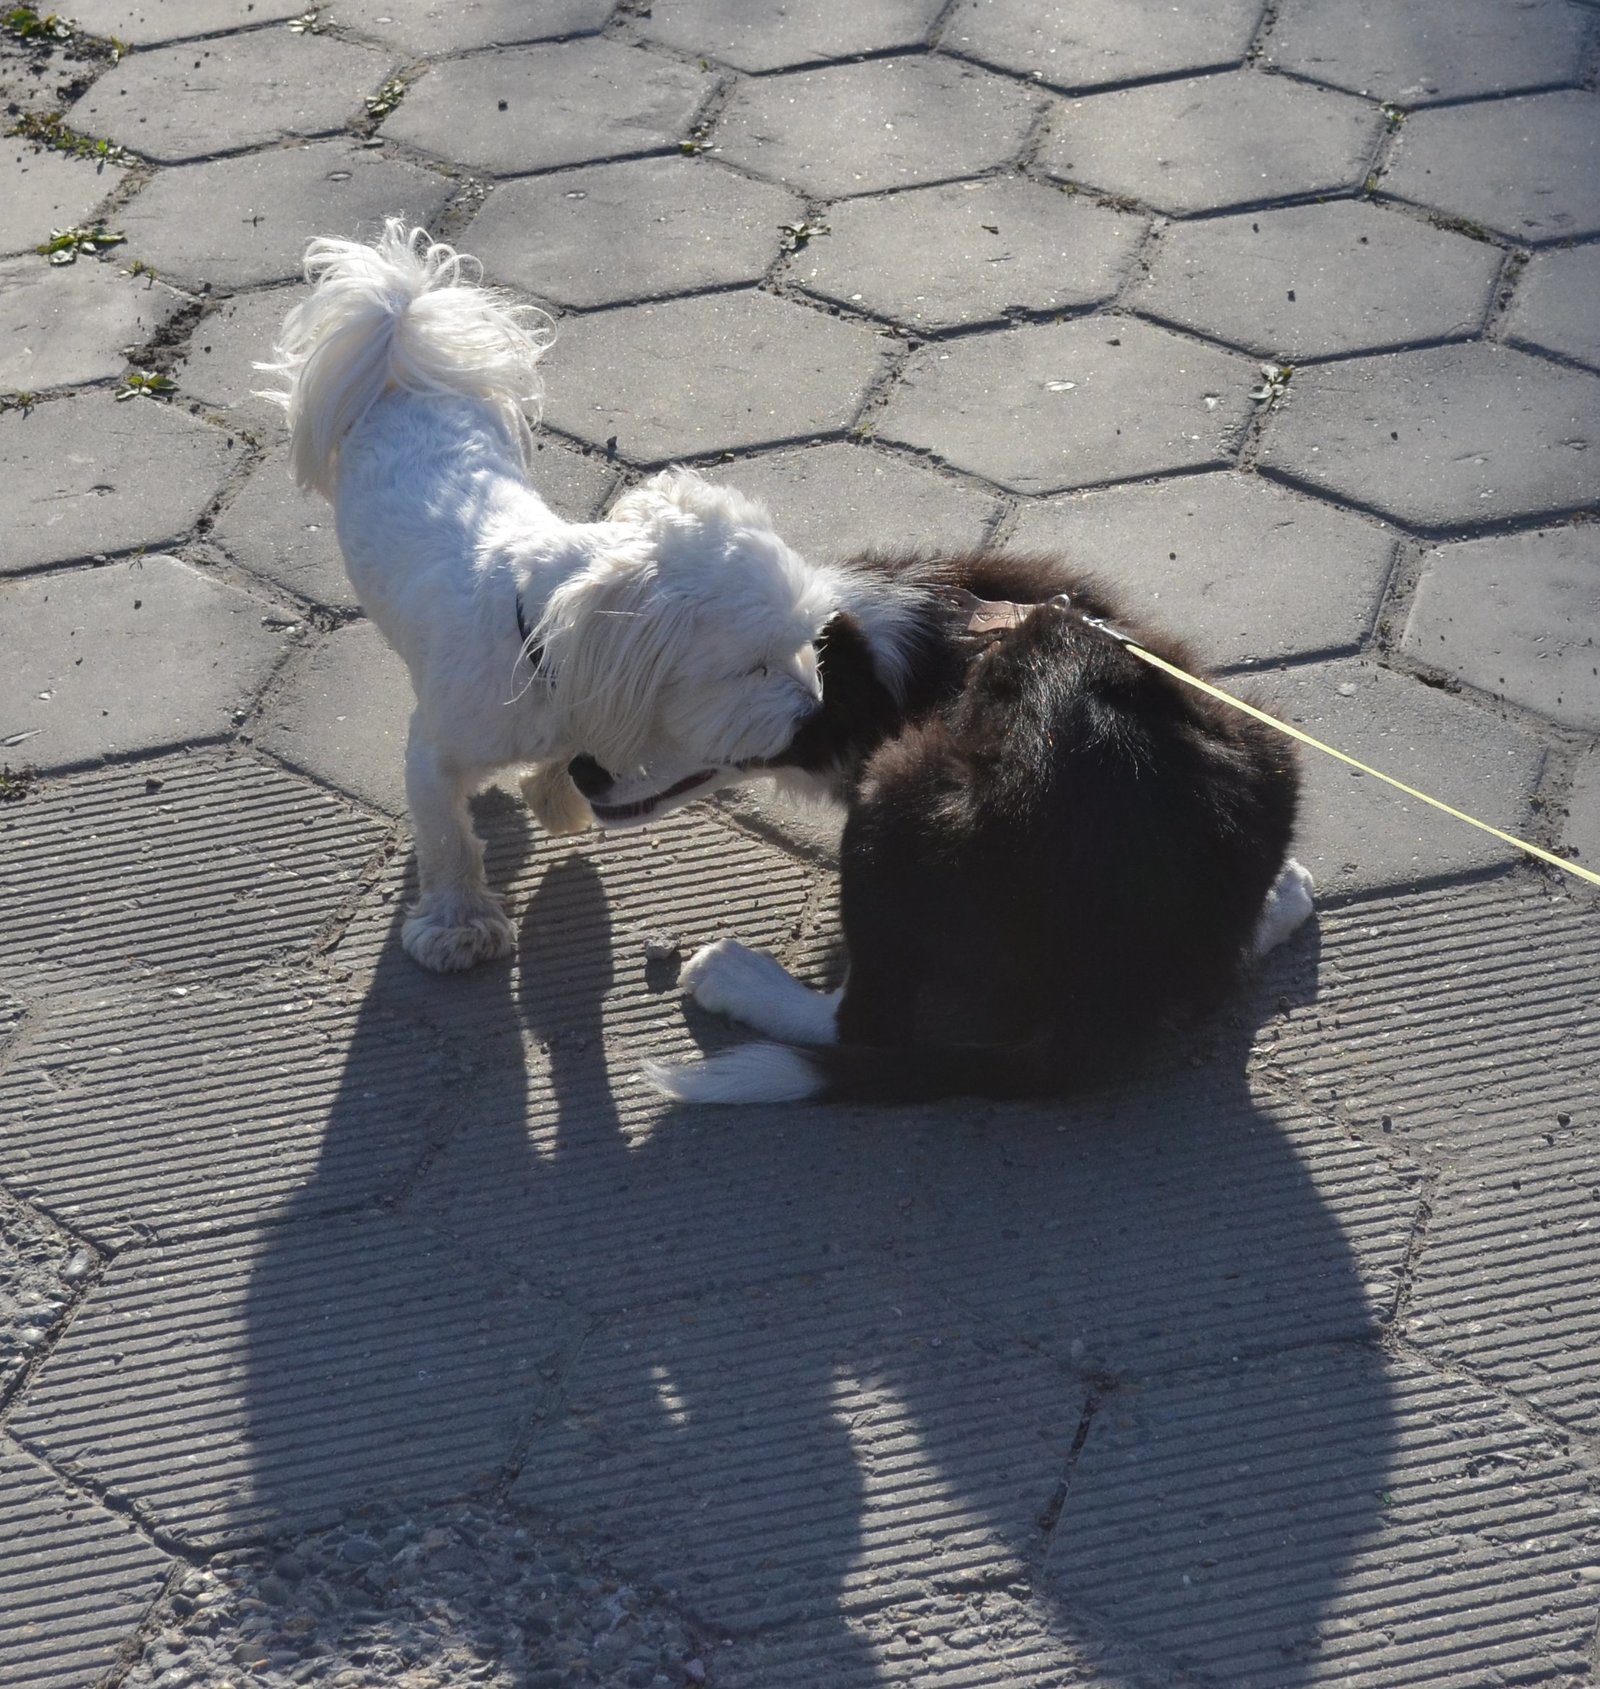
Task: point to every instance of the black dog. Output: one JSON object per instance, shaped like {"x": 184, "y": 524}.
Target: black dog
{"x": 1051, "y": 847}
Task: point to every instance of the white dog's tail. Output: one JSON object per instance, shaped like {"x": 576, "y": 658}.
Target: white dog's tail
{"x": 402, "y": 313}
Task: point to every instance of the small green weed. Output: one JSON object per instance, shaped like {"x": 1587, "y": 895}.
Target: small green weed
{"x": 25, "y": 24}
{"x": 145, "y": 384}
{"x": 386, "y": 98}
{"x": 64, "y": 245}
{"x": 53, "y": 133}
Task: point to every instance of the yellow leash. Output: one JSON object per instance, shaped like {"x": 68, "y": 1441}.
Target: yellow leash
{"x": 1317, "y": 745}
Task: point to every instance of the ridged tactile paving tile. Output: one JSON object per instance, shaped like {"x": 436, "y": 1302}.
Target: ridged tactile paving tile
{"x": 1331, "y": 1517}
{"x": 273, "y": 1378}
{"x": 1467, "y": 1018}
{"x": 1506, "y": 1279}
{"x": 764, "y": 1456}
{"x": 191, "y": 1107}
{"x": 185, "y": 866}
{"x": 75, "y": 1580}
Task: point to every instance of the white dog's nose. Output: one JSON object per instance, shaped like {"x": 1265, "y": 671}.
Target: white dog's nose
{"x": 589, "y": 777}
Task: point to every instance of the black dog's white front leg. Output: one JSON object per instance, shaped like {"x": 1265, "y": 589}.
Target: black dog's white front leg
{"x": 757, "y": 990}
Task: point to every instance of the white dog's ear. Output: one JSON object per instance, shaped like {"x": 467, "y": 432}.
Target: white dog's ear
{"x": 612, "y": 636}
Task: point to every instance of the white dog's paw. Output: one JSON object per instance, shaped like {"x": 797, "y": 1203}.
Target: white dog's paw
{"x": 757, "y": 990}
{"x": 558, "y": 806}
{"x": 447, "y": 934}
{"x": 1289, "y": 905}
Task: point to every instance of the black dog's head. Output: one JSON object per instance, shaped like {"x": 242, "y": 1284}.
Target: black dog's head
{"x": 858, "y": 710}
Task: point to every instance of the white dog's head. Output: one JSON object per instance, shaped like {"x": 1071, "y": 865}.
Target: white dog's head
{"x": 684, "y": 656}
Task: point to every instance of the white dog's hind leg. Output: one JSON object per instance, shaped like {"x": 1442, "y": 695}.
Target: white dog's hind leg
{"x": 756, "y": 989}
{"x": 1288, "y": 904}
{"x": 558, "y": 806}
{"x": 456, "y": 922}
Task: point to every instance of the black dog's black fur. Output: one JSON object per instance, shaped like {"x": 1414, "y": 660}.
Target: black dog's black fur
{"x": 1050, "y": 847}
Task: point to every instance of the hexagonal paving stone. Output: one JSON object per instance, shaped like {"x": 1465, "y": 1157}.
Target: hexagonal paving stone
{"x": 397, "y": 1395}
{"x": 1071, "y": 404}
{"x": 631, "y": 231}
{"x": 1073, "y": 46}
{"x": 76, "y": 1580}
{"x": 1244, "y": 570}
{"x": 1356, "y": 833}
{"x": 425, "y": 27}
{"x": 717, "y": 373}
{"x": 196, "y": 867}
{"x": 1557, "y": 305}
{"x": 1329, "y": 1517}
{"x": 241, "y": 221}
{"x": 887, "y": 123}
{"x": 61, "y": 324}
{"x": 833, "y": 501}
{"x": 226, "y": 344}
{"x": 89, "y": 475}
{"x": 176, "y": 103}
{"x": 342, "y": 714}
{"x": 1430, "y": 49}
{"x": 140, "y": 23}
{"x": 1315, "y": 281}
{"x": 772, "y": 37}
{"x": 535, "y": 108}
{"x": 1517, "y": 616}
{"x": 1526, "y": 168}
{"x": 127, "y": 657}
{"x": 970, "y": 252}
{"x": 1442, "y": 439}
{"x": 47, "y": 190}
{"x": 1234, "y": 139}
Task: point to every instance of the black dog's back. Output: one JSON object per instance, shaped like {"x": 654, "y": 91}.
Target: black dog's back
{"x": 1050, "y": 846}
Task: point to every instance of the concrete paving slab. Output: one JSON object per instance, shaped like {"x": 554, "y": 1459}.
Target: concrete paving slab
{"x": 1066, "y": 47}
{"x": 1458, "y": 1016}
{"x": 166, "y": 1110}
{"x": 47, "y": 190}
{"x": 453, "y": 26}
{"x": 143, "y": 23}
{"x": 42, "y": 1269}
{"x": 1111, "y": 1241}
{"x": 343, "y": 711}
{"x": 75, "y": 1582}
{"x": 1239, "y": 138}
{"x": 251, "y": 1383}
{"x": 72, "y": 494}
{"x": 224, "y": 347}
{"x": 1580, "y": 824}
{"x": 1319, "y": 281}
{"x": 970, "y": 252}
{"x": 760, "y": 38}
{"x": 1355, "y": 833}
{"x": 238, "y": 222}
{"x": 538, "y": 108}
{"x": 1527, "y": 168}
{"x": 70, "y": 323}
{"x": 178, "y": 870}
{"x": 1037, "y": 410}
{"x": 638, "y": 230}
{"x": 1353, "y": 1510}
{"x": 1557, "y": 305}
{"x": 1242, "y": 569}
{"x": 887, "y": 123}
{"x": 1431, "y": 51}
{"x": 749, "y": 1454}
{"x": 132, "y": 656}
{"x": 172, "y": 104}
{"x": 722, "y": 372}
{"x": 1505, "y": 1281}
{"x": 836, "y": 500}
{"x": 1516, "y": 616}
{"x": 1441, "y": 439}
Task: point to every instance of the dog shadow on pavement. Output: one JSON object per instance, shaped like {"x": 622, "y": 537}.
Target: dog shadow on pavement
{"x": 852, "y": 1389}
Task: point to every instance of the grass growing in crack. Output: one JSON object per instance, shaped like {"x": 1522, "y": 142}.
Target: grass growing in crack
{"x": 53, "y": 133}
{"x": 64, "y": 245}
{"x": 386, "y": 98}
{"x": 15, "y": 786}
{"x": 25, "y": 24}
{"x": 22, "y": 402}
{"x": 145, "y": 384}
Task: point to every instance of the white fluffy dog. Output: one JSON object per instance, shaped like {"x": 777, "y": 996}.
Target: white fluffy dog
{"x": 671, "y": 644}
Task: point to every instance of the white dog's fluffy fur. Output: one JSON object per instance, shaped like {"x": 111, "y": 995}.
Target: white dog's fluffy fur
{"x": 671, "y": 643}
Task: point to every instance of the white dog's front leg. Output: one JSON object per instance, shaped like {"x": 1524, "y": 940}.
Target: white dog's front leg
{"x": 455, "y": 923}
{"x": 756, "y": 989}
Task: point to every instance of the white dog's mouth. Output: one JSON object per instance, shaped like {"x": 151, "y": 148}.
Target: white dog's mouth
{"x": 642, "y": 809}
